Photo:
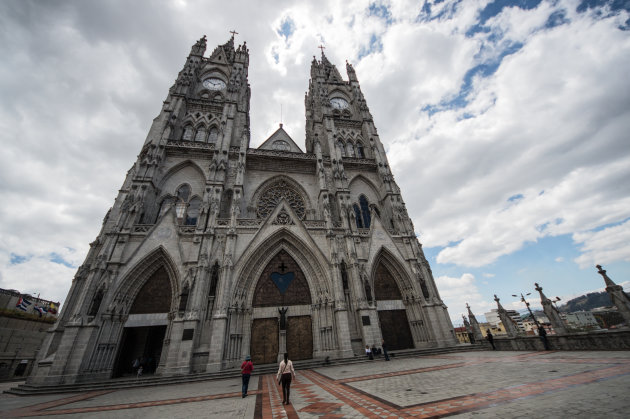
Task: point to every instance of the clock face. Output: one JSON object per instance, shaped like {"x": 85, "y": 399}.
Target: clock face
{"x": 214, "y": 84}
{"x": 338, "y": 103}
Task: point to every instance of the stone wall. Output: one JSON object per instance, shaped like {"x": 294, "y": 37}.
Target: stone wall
{"x": 593, "y": 341}
{"x": 19, "y": 341}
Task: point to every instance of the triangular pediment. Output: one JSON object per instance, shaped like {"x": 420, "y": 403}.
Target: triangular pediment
{"x": 218, "y": 56}
{"x": 274, "y": 142}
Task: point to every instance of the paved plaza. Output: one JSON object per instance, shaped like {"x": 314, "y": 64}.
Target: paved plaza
{"x": 482, "y": 384}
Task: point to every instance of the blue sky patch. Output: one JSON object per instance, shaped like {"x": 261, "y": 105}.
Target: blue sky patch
{"x": 380, "y": 11}
{"x": 557, "y": 18}
{"x": 485, "y": 69}
{"x": 287, "y": 27}
{"x": 57, "y": 258}
{"x": 516, "y": 197}
{"x": 375, "y": 46}
{"x": 17, "y": 259}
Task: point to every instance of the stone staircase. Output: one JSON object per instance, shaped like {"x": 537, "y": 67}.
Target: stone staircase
{"x": 152, "y": 380}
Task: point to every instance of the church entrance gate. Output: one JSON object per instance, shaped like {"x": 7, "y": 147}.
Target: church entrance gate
{"x": 299, "y": 337}
{"x": 264, "y": 346}
{"x": 144, "y": 343}
{"x": 395, "y": 329}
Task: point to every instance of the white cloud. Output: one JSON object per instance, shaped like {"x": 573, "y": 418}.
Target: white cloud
{"x": 604, "y": 246}
{"x": 456, "y": 292}
{"x": 80, "y": 85}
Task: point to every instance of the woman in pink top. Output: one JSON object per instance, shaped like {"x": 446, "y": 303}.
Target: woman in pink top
{"x": 285, "y": 374}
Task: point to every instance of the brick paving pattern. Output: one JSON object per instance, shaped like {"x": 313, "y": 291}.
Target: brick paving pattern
{"x": 475, "y": 384}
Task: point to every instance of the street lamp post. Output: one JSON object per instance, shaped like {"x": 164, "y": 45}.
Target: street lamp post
{"x": 527, "y": 305}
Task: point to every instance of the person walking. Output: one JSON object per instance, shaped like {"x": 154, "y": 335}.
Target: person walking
{"x": 490, "y": 339}
{"x": 285, "y": 374}
{"x": 246, "y": 370}
{"x": 385, "y": 354}
{"x": 543, "y": 336}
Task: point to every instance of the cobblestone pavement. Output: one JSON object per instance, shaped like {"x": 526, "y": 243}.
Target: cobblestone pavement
{"x": 464, "y": 385}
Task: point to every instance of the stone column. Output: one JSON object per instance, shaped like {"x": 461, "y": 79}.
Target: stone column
{"x": 508, "y": 323}
{"x": 474, "y": 324}
{"x": 551, "y": 312}
{"x": 619, "y": 298}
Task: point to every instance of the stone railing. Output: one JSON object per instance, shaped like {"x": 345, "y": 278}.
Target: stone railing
{"x": 582, "y": 341}
{"x": 190, "y": 145}
{"x": 315, "y": 224}
{"x": 277, "y": 153}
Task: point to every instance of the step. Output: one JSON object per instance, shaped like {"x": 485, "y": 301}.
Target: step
{"x": 148, "y": 381}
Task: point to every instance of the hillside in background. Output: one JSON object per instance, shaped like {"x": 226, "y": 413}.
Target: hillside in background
{"x": 587, "y": 302}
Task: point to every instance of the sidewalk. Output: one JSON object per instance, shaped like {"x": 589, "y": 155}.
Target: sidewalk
{"x": 475, "y": 384}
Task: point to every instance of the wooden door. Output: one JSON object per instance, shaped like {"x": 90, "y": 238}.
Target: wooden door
{"x": 264, "y": 346}
{"x": 299, "y": 337}
{"x": 395, "y": 329}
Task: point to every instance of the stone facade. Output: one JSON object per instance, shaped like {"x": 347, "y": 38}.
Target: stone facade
{"x": 214, "y": 250}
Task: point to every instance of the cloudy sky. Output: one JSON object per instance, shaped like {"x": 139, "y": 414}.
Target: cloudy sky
{"x": 506, "y": 123}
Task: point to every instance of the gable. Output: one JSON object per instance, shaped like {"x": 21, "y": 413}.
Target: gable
{"x": 280, "y": 141}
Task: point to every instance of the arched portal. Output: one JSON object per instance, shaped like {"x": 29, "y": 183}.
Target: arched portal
{"x": 393, "y": 318}
{"x": 283, "y": 287}
{"x": 143, "y": 335}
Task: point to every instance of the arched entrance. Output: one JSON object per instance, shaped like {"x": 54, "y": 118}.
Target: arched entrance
{"x": 143, "y": 335}
{"x": 282, "y": 284}
{"x": 394, "y": 322}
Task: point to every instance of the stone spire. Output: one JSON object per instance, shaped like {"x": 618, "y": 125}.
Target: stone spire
{"x": 551, "y": 312}
{"x": 474, "y": 324}
{"x": 510, "y": 327}
{"x": 199, "y": 48}
{"x": 619, "y": 298}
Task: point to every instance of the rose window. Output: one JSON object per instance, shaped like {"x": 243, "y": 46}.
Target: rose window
{"x": 270, "y": 198}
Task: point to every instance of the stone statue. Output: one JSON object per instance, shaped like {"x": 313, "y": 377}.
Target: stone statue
{"x": 283, "y": 318}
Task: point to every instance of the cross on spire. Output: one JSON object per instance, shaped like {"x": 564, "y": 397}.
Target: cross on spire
{"x": 322, "y": 48}
{"x": 233, "y": 32}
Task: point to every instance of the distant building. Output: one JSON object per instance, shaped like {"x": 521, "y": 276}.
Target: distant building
{"x": 495, "y": 329}
{"x": 581, "y": 320}
{"x": 24, "y": 321}
{"x": 462, "y": 334}
{"x": 493, "y": 318}
{"x": 608, "y": 317}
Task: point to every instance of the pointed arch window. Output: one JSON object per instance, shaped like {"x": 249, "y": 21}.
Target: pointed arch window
{"x": 188, "y": 133}
{"x": 344, "y": 275}
{"x": 96, "y": 303}
{"x": 342, "y": 148}
{"x": 357, "y": 216}
{"x": 365, "y": 211}
{"x": 360, "y": 152}
{"x": 192, "y": 214}
{"x": 214, "y": 280}
{"x": 201, "y": 134}
{"x": 187, "y": 209}
{"x": 213, "y": 136}
{"x": 350, "y": 149}
{"x": 226, "y": 204}
{"x": 183, "y": 298}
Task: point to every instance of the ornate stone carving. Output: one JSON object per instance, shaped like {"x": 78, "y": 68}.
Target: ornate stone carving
{"x": 283, "y": 218}
{"x": 274, "y": 193}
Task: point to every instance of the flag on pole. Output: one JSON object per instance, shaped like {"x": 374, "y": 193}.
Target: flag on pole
{"x": 23, "y": 304}
{"x": 40, "y": 310}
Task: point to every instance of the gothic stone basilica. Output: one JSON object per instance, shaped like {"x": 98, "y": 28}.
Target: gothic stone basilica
{"x": 214, "y": 250}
